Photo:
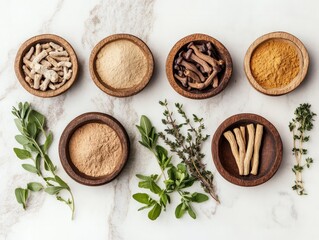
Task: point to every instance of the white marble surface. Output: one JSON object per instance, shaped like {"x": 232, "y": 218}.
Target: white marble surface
{"x": 270, "y": 211}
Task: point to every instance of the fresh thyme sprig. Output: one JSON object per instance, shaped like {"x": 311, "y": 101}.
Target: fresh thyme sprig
{"x": 31, "y": 124}
{"x": 188, "y": 147}
{"x": 176, "y": 179}
{"x": 300, "y": 125}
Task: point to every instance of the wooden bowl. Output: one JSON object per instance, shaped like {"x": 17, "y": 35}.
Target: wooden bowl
{"x": 303, "y": 58}
{"x": 44, "y": 38}
{"x": 91, "y": 117}
{"x": 270, "y": 152}
{"x": 224, "y": 76}
{"x": 127, "y": 91}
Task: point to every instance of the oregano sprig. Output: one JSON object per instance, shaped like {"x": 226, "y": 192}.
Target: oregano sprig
{"x": 30, "y": 124}
{"x": 300, "y": 125}
{"x": 175, "y": 179}
{"x": 188, "y": 146}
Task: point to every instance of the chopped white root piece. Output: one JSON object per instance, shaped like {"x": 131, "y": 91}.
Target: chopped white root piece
{"x": 37, "y": 49}
{"x": 40, "y": 56}
{"x": 258, "y": 138}
{"x": 37, "y": 78}
{"x": 56, "y": 46}
{"x": 250, "y": 148}
{"x": 59, "y": 54}
{"x": 65, "y": 64}
{"x": 29, "y": 54}
{"x": 242, "y": 149}
{"x": 44, "y": 84}
{"x": 234, "y": 148}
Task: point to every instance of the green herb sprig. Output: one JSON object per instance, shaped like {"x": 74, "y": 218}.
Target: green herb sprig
{"x": 188, "y": 147}
{"x": 300, "y": 125}
{"x": 176, "y": 179}
{"x": 30, "y": 124}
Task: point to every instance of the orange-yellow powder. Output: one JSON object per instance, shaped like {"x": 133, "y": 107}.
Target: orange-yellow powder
{"x": 275, "y": 63}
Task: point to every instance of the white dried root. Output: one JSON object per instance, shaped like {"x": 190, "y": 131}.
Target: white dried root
{"x": 250, "y": 148}
{"x": 258, "y": 138}
{"x": 234, "y": 148}
{"x": 47, "y": 66}
{"x": 243, "y": 133}
{"x": 242, "y": 149}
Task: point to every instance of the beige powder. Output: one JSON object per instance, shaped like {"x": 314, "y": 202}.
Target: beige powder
{"x": 95, "y": 149}
{"x": 121, "y": 64}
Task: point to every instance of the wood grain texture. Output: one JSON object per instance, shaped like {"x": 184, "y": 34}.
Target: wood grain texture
{"x": 121, "y": 92}
{"x": 303, "y": 58}
{"x": 224, "y": 76}
{"x": 45, "y": 38}
{"x": 270, "y": 152}
{"x": 92, "y": 117}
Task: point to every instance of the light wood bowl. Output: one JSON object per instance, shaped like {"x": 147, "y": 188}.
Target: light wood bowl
{"x": 224, "y": 76}
{"x": 121, "y": 92}
{"x": 270, "y": 155}
{"x": 92, "y": 117}
{"x": 45, "y": 38}
{"x": 303, "y": 58}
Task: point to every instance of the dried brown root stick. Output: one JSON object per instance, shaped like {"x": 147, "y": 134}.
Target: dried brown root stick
{"x": 255, "y": 159}
{"x": 250, "y": 148}
{"x": 242, "y": 149}
{"x": 234, "y": 149}
{"x": 243, "y": 133}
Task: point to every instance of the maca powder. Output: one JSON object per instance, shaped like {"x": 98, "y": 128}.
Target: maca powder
{"x": 95, "y": 149}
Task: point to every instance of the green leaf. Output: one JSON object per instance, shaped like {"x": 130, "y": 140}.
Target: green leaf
{"x": 35, "y": 186}
{"x": 22, "y": 196}
{"x": 21, "y": 139}
{"x": 155, "y": 212}
{"x": 155, "y": 188}
{"x": 38, "y": 162}
{"x": 22, "y": 153}
{"x": 30, "y": 168}
{"x": 141, "y": 130}
{"x": 199, "y": 197}
{"x": 146, "y": 124}
{"x": 48, "y": 165}
{"x": 180, "y": 210}
{"x": 142, "y": 177}
{"x": 19, "y": 125}
{"x": 32, "y": 129}
{"x": 47, "y": 142}
{"x": 191, "y": 212}
{"x": 52, "y": 190}
{"x": 61, "y": 182}
{"x": 37, "y": 118}
{"x": 142, "y": 198}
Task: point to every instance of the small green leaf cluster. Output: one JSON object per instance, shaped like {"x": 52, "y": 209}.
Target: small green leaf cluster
{"x": 299, "y": 126}
{"x": 188, "y": 146}
{"x": 176, "y": 179}
{"x": 31, "y": 124}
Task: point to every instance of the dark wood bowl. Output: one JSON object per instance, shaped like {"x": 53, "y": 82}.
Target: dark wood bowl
{"x": 128, "y": 91}
{"x": 270, "y": 152}
{"x": 224, "y": 76}
{"x": 91, "y": 117}
{"x": 303, "y": 60}
{"x": 44, "y": 38}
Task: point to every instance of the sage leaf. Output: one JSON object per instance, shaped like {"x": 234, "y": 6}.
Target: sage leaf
{"x": 32, "y": 129}
{"x": 30, "y": 168}
{"x": 52, "y": 190}
{"x": 22, "y": 196}
{"x": 37, "y": 118}
{"x": 142, "y": 198}
{"x": 35, "y": 186}
{"x": 22, "y": 153}
{"x": 199, "y": 197}
{"x": 19, "y": 125}
{"x": 48, "y": 142}
{"x": 191, "y": 212}
{"x": 180, "y": 210}
{"x": 146, "y": 125}
{"x": 21, "y": 139}
{"x": 155, "y": 212}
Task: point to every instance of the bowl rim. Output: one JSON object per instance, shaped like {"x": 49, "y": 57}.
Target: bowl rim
{"x": 79, "y": 121}
{"x": 33, "y": 41}
{"x": 300, "y": 47}
{"x": 219, "y": 47}
{"x": 121, "y": 92}
{"x": 218, "y": 136}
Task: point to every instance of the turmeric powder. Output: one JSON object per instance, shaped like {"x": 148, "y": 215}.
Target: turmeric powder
{"x": 274, "y": 63}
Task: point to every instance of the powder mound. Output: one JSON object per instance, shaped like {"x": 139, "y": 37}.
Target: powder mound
{"x": 275, "y": 63}
{"x": 121, "y": 64}
{"x": 95, "y": 149}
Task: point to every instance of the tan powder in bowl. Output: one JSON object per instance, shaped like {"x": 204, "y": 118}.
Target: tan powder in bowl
{"x": 95, "y": 149}
{"x": 121, "y": 64}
